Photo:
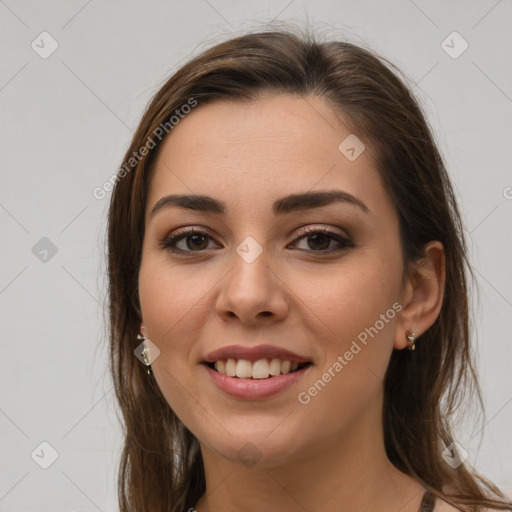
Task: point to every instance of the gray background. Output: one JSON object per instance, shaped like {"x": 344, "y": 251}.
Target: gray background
{"x": 66, "y": 121}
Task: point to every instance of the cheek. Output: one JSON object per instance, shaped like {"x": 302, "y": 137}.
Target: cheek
{"x": 169, "y": 293}
{"x": 341, "y": 302}
{"x": 163, "y": 302}
{"x": 175, "y": 307}
{"x": 351, "y": 314}
{"x": 348, "y": 382}
{"x": 169, "y": 299}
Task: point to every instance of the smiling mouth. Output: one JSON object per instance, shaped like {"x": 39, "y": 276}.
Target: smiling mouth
{"x": 257, "y": 370}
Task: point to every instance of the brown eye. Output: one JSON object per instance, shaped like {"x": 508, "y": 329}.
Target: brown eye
{"x": 191, "y": 240}
{"x": 196, "y": 242}
{"x": 320, "y": 239}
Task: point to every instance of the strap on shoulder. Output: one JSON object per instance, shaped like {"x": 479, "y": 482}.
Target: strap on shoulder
{"x": 427, "y": 504}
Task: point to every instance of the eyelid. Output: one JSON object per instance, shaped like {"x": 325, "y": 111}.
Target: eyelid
{"x": 304, "y": 230}
{"x": 300, "y": 230}
{"x": 187, "y": 230}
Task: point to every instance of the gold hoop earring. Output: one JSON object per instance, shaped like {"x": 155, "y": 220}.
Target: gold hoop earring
{"x": 412, "y": 339}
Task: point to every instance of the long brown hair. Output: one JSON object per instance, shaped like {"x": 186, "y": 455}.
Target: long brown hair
{"x": 161, "y": 465}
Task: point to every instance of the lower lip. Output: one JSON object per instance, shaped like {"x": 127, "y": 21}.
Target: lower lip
{"x": 254, "y": 388}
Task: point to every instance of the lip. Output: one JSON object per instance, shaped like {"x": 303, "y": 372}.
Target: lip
{"x": 254, "y": 354}
{"x": 254, "y": 388}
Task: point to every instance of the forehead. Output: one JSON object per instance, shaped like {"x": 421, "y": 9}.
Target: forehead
{"x": 269, "y": 146}
{"x": 272, "y": 127}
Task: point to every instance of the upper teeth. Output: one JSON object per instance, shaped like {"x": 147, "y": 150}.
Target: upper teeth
{"x": 261, "y": 369}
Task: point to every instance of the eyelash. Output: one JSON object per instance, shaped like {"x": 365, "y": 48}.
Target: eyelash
{"x": 170, "y": 242}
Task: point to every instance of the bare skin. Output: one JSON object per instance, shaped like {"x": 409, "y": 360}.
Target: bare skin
{"x": 308, "y": 295}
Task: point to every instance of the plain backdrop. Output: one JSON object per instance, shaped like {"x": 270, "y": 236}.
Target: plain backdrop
{"x": 66, "y": 120}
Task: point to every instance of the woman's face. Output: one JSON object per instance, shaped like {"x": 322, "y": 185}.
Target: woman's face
{"x": 255, "y": 279}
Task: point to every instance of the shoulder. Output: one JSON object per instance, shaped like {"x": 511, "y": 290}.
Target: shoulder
{"x": 443, "y": 506}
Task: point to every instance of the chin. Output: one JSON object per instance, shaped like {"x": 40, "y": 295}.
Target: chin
{"x": 257, "y": 447}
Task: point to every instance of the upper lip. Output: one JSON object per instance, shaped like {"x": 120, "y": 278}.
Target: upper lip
{"x": 254, "y": 354}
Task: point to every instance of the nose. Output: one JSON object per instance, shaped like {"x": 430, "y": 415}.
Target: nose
{"x": 253, "y": 291}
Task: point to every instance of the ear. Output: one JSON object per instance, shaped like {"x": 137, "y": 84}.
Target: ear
{"x": 422, "y": 294}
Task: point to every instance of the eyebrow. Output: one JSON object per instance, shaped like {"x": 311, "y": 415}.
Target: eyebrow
{"x": 282, "y": 206}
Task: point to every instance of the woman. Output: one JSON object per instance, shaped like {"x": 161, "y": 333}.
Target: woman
{"x": 287, "y": 260}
